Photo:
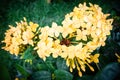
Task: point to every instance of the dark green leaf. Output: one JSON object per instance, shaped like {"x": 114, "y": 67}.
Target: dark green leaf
{"x": 41, "y": 67}
{"x": 103, "y": 61}
{"x": 4, "y": 74}
{"x": 110, "y": 72}
{"x": 28, "y": 53}
{"x": 61, "y": 64}
{"x": 50, "y": 59}
{"x": 41, "y": 75}
{"x": 22, "y": 70}
{"x": 63, "y": 75}
{"x": 50, "y": 66}
{"x": 85, "y": 77}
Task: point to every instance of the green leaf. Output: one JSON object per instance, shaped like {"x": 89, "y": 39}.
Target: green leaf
{"x": 50, "y": 66}
{"x": 61, "y": 64}
{"x": 4, "y": 74}
{"x": 41, "y": 67}
{"x": 60, "y": 37}
{"x": 22, "y": 70}
{"x": 110, "y": 72}
{"x": 85, "y": 77}
{"x": 28, "y": 55}
{"x": 41, "y": 75}
{"x": 103, "y": 61}
{"x": 63, "y": 75}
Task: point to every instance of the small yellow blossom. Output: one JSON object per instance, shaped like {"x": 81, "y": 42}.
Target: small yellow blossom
{"x": 56, "y": 49}
{"x": 32, "y": 26}
{"x": 81, "y": 35}
{"x": 27, "y": 38}
{"x": 118, "y": 57}
{"x": 94, "y": 58}
{"x": 45, "y": 44}
{"x": 16, "y": 78}
{"x": 54, "y": 30}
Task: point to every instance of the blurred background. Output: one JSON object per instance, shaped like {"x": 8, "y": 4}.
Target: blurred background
{"x": 44, "y": 12}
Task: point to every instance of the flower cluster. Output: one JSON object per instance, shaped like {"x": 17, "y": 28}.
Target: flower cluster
{"x": 82, "y": 31}
{"x": 89, "y": 27}
{"x": 17, "y": 38}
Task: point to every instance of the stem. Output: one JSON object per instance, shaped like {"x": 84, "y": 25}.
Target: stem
{"x": 98, "y": 66}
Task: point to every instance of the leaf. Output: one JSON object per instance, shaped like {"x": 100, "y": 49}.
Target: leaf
{"x": 50, "y": 63}
{"x": 41, "y": 67}
{"x": 22, "y": 70}
{"x": 4, "y": 74}
{"x": 61, "y": 64}
{"x": 28, "y": 53}
{"x": 103, "y": 61}
{"x": 110, "y": 72}
{"x": 63, "y": 75}
{"x": 50, "y": 66}
{"x": 41, "y": 75}
{"x": 85, "y": 77}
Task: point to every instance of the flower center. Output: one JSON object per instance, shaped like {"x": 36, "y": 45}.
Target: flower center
{"x": 65, "y": 42}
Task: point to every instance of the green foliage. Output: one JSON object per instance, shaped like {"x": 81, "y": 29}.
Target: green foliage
{"x": 4, "y": 74}
{"x": 50, "y": 66}
{"x": 41, "y": 75}
{"x": 62, "y": 75}
{"x": 23, "y": 71}
{"x": 85, "y": 77}
{"x": 28, "y": 54}
{"x": 38, "y": 11}
{"x": 7, "y": 68}
{"x": 110, "y": 72}
{"x": 61, "y": 64}
{"x": 41, "y": 67}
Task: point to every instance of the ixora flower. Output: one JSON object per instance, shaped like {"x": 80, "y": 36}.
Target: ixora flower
{"x": 89, "y": 28}
{"x": 82, "y": 31}
{"x": 48, "y": 41}
{"x": 17, "y": 37}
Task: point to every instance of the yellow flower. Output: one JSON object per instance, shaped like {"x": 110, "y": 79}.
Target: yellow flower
{"x": 32, "y": 26}
{"x": 90, "y": 27}
{"x": 17, "y": 37}
{"x": 44, "y": 33}
{"x": 81, "y": 35}
{"x": 64, "y": 53}
{"x": 13, "y": 49}
{"x": 82, "y": 31}
{"x": 12, "y": 40}
{"x": 94, "y": 58}
{"x": 16, "y": 78}
{"x": 44, "y": 48}
{"x": 118, "y": 57}
{"x": 8, "y": 35}
{"x": 68, "y": 28}
{"x": 27, "y": 37}
{"x": 56, "y": 49}
{"x": 54, "y": 30}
